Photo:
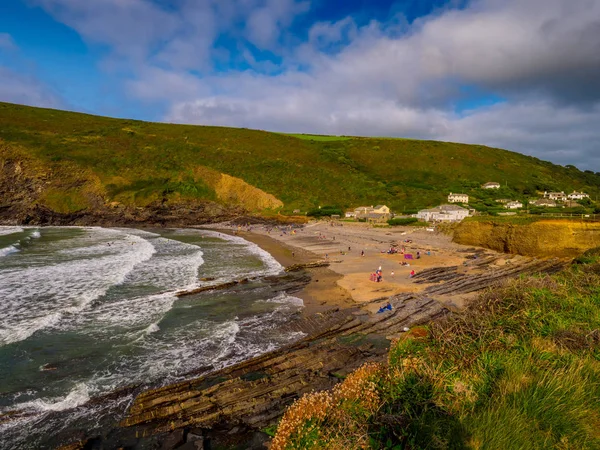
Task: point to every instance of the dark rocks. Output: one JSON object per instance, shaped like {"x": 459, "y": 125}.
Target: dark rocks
{"x": 310, "y": 265}
{"x": 173, "y": 440}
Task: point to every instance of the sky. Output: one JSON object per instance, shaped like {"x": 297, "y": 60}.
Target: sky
{"x": 523, "y": 75}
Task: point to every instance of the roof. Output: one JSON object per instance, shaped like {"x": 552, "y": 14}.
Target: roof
{"x": 380, "y": 206}
{"x": 489, "y": 183}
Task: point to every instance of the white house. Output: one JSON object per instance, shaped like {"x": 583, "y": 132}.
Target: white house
{"x": 443, "y": 213}
{"x": 514, "y": 205}
{"x": 577, "y": 195}
{"x": 558, "y": 196}
{"x": 458, "y": 198}
{"x": 491, "y": 185}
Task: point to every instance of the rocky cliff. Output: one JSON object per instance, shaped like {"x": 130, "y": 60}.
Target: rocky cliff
{"x": 35, "y": 192}
{"x": 545, "y": 238}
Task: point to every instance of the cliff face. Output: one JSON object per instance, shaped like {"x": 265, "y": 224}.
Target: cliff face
{"x": 546, "y": 238}
{"x": 40, "y": 193}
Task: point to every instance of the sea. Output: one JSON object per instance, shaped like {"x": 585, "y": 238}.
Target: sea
{"x": 86, "y": 312}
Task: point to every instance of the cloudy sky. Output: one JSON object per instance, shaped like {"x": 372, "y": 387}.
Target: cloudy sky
{"x": 517, "y": 74}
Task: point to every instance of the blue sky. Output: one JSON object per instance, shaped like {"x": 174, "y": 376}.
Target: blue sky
{"x": 516, "y": 74}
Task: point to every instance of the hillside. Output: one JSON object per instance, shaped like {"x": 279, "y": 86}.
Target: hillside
{"x": 71, "y": 163}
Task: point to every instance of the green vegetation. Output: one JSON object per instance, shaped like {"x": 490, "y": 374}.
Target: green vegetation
{"x": 318, "y": 137}
{"x": 519, "y": 369}
{"x": 325, "y": 211}
{"x": 403, "y": 221}
{"x": 137, "y": 163}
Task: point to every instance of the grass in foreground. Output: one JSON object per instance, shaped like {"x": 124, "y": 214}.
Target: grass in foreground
{"x": 519, "y": 370}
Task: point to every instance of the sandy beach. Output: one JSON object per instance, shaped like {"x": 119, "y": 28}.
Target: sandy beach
{"x": 355, "y": 251}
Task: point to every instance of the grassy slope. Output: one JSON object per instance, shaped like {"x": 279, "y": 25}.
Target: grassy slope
{"x": 519, "y": 370}
{"x": 137, "y": 162}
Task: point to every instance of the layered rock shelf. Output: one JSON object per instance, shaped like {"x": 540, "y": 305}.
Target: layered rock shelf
{"x": 251, "y": 395}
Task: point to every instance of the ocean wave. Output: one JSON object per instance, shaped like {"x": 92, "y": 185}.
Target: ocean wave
{"x": 272, "y": 267}
{"x": 9, "y": 250}
{"x": 27, "y": 327}
{"x": 35, "y": 235}
{"x": 10, "y": 230}
{"x": 78, "y": 396}
{"x": 73, "y": 285}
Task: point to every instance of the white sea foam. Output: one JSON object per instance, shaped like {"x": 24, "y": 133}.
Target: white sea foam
{"x": 152, "y": 328}
{"x": 79, "y": 395}
{"x": 67, "y": 287}
{"x": 271, "y": 266}
{"x": 36, "y": 234}
{"x": 9, "y": 230}
{"x": 9, "y": 250}
{"x": 285, "y": 299}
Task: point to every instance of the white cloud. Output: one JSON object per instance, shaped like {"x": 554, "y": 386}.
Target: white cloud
{"x": 540, "y": 56}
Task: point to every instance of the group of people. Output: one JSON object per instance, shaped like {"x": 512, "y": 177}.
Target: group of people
{"x": 377, "y": 276}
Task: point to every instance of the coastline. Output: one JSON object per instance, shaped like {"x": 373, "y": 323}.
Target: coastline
{"x": 322, "y": 293}
{"x": 355, "y": 250}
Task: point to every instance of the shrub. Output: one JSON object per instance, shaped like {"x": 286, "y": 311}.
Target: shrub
{"x": 402, "y": 221}
{"x": 325, "y": 211}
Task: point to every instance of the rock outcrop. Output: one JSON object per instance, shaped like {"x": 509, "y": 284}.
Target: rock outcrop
{"x": 544, "y": 238}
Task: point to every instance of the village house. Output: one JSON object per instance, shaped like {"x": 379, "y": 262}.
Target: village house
{"x": 514, "y": 205}
{"x": 558, "y": 196}
{"x": 379, "y": 213}
{"x": 443, "y": 213}
{"x": 577, "y": 195}
{"x": 503, "y": 200}
{"x": 545, "y": 202}
{"x": 458, "y": 198}
{"x": 491, "y": 185}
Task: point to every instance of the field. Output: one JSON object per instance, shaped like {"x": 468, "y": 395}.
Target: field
{"x": 136, "y": 163}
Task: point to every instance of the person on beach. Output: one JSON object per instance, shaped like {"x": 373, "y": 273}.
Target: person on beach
{"x": 362, "y": 253}
{"x": 386, "y": 307}
{"x": 412, "y": 273}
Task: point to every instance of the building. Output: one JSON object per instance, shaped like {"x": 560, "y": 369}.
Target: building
{"x": 443, "y": 213}
{"x": 545, "y": 202}
{"x": 558, "y": 196}
{"x": 458, "y": 198}
{"x": 503, "y": 200}
{"x": 577, "y": 195}
{"x": 491, "y": 185}
{"x": 514, "y": 205}
{"x": 379, "y": 213}
{"x": 381, "y": 209}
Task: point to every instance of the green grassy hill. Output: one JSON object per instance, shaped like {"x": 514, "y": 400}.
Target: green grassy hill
{"x": 80, "y": 161}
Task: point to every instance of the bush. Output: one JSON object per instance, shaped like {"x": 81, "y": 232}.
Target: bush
{"x": 325, "y": 211}
{"x": 402, "y": 221}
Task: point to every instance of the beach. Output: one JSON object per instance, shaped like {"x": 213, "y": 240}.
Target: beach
{"x": 355, "y": 251}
